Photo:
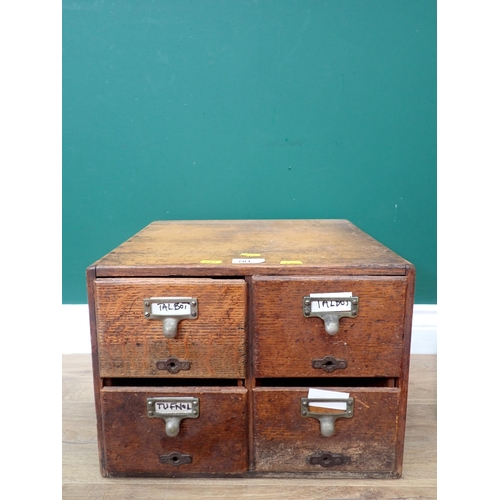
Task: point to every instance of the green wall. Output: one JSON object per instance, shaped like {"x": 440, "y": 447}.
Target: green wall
{"x": 237, "y": 109}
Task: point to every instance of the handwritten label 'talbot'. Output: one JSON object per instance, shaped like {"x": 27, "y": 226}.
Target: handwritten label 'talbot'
{"x": 170, "y": 308}
{"x": 331, "y": 302}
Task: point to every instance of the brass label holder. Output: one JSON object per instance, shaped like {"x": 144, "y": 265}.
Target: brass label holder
{"x": 326, "y": 420}
{"x": 170, "y": 310}
{"x": 173, "y": 410}
{"x": 330, "y": 307}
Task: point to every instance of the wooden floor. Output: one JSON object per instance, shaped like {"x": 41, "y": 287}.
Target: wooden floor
{"x": 82, "y": 479}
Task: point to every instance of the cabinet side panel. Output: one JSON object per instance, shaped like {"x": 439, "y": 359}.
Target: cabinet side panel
{"x": 95, "y": 365}
{"x": 405, "y": 366}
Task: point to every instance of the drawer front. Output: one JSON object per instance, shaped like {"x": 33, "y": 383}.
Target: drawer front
{"x": 210, "y": 346}
{"x": 288, "y": 344}
{"x": 138, "y": 445}
{"x": 286, "y": 441}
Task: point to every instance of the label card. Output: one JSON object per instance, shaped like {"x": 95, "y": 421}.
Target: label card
{"x": 170, "y": 308}
{"x": 324, "y": 394}
{"x": 336, "y": 304}
{"x": 174, "y": 407}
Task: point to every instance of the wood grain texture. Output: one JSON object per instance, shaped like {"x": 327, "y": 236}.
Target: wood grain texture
{"x": 134, "y": 442}
{"x": 249, "y": 489}
{"x": 130, "y": 345}
{"x": 285, "y": 440}
{"x": 286, "y": 341}
{"x": 178, "y": 248}
{"x": 402, "y": 382}
{"x": 91, "y": 277}
{"x": 81, "y": 479}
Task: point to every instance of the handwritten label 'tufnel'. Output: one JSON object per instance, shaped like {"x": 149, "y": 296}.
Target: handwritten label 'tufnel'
{"x": 166, "y": 408}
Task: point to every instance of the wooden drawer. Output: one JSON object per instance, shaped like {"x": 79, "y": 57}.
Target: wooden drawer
{"x": 288, "y": 344}
{"x": 364, "y": 445}
{"x": 210, "y": 346}
{"x": 138, "y": 445}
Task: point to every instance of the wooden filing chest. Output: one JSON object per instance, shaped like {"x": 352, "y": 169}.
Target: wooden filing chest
{"x": 209, "y": 339}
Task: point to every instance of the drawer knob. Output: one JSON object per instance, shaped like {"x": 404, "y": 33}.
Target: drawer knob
{"x": 330, "y": 307}
{"x": 326, "y": 420}
{"x": 170, "y": 310}
{"x": 173, "y": 410}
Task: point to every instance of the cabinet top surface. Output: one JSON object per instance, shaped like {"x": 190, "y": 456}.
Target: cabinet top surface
{"x": 231, "y": 247}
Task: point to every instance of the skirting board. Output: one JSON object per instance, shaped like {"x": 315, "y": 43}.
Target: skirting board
{"x": 75, "y": 330}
